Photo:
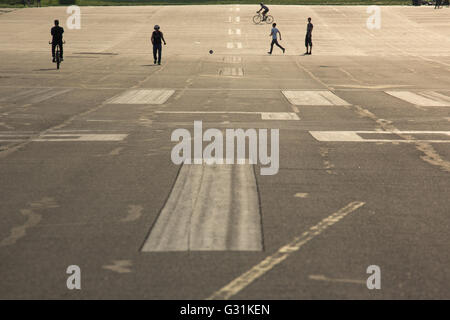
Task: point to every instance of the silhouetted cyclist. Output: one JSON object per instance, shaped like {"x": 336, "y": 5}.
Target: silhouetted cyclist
{"x": 157, "y": 36}
{"x": 57, "y": 39}
{"x": 265, "y": 10}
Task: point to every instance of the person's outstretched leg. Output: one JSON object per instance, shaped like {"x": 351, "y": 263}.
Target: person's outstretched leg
{"x": 278, "y": 45}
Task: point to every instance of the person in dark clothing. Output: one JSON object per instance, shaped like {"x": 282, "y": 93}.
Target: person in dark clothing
{"x": 273, "y": 33}
{"x": 265, "y": 10}
{"x": 438, "y": 4}
{"x": 308, "y": 37}
{"x": 57, "y": 39}
{"x": 157, "y": 36}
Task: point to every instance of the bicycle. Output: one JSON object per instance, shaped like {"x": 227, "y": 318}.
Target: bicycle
{"x": 257, "y": 19}
{"x": 57, "y": 54}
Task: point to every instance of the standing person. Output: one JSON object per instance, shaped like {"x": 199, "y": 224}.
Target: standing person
{"x": 273, "y": 34}
{"x": 157, "y": 36}
{"x": 57, "y": 39}
{"x": 265, "y": 10}
{"x": 438, "y": 4}
{"x": 38, "y": 3}
{"x": 308, "y": 37}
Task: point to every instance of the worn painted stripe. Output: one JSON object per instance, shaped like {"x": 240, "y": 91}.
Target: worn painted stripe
{"x": 264, "y": 115}
{"x": 211, "y": 207}
{"x": 279, "y": 116}
{"x": 235, "y": 72}
{"x": 356, "y": 136}
{"x": 282, "y": 254}
{"x": 423, "y": 98}
{"x": 314, "y": 98}
{"x": 143, "y": 96}
{"x": 35, "y": 95}
{"x": 66, "y": 137}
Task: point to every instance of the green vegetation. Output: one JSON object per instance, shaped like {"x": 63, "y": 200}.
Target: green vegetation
{"x": 19, "y": 3}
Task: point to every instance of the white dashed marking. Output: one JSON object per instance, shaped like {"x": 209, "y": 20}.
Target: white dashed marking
{"x": 314, "y": 98}
{"x": 382, "y": 136}
{"x": 156, "y": 96}
{"x": 423, "y": 98}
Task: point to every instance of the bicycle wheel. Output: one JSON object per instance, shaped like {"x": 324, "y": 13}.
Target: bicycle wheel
{"x": 58, "y": 60}
{"x": 269, "y": 19}
{"x": 257, "y": 19}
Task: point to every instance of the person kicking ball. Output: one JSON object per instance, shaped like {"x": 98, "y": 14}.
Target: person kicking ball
{"x": 273, "y": 34}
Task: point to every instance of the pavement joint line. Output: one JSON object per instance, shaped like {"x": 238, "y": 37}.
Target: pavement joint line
{"x": 244, "y": 280}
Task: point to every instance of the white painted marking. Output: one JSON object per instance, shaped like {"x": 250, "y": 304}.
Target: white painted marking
{"x": 279, "y": 116}
{"x": 134, "y": 213}
{"x": 230, "y": 19}
{"x": 355, "y": 136}
{"x": 230, "y": 45}
{"x": 239, "y": 45}
{"x": 235, "y": 72}
{"x": 282, "y": 254}
{"x": 238, "y": 19}
{"x": 238, "y": 31}
{"x": 211, "y": 207}
{"x": 264, "y": 115}
{"x": 301, "y": 195}
{"x": 232, "y": 59}
{"x": 33, "y": 219}
{"x": 314, "y": 98}
{"x": 35, "y": 95}
{"x": 119, "y": 266}
{"x": 80, "y": 137}
{"x": 321, "y": 277}
{"x": 423, "y": 98}
{"x": 143, "y": 96}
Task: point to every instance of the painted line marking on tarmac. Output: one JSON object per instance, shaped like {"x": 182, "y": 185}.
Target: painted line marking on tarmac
{"x": 232, "y": 59}
{"x": 358, "y": 136}
{"x": 210, "y": 208}
{"x": 241, "y": 282}
{"x": 279, "y": 116}
{"x": 422, "y": 98}
{"x": 66, "y": 137}
{"x": 35, "y": 95}
{"x": 231, "y": 45}
{"x": 320, "y": 277}
{"x": 235, "y": 72}
{"x": 301, "y": 195}
{"x": 264, "y": 115}
{"x": 34, "y": 216}
{"x": 237, "y": 19}
{"x": 142, "y": 96}
{"x": 314, "y": 98}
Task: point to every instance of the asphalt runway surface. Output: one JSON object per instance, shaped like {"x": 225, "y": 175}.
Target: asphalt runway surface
{"x": 87, "y": 177}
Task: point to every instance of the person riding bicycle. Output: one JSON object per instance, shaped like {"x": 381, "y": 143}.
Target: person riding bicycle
{"x": 265, "y": 10}
{"x": 57, "y": 39}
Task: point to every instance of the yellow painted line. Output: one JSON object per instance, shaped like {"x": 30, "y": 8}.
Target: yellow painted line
{"x": 301, "y": 195}
{"x": 241, "y": 282}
